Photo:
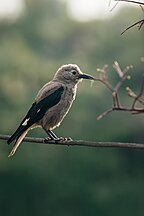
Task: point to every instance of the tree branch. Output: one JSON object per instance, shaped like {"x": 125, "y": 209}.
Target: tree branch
{"x": 139, "y": 23}
{"x": 80, "y": 143}
{"x": 130, "y": 1}
{"x": 138, "y": 99}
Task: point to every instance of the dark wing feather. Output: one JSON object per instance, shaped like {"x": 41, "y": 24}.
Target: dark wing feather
{"x": 37, "y": 111}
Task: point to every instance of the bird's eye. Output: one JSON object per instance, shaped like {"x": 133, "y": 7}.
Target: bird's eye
{"x": 74, "y": 72}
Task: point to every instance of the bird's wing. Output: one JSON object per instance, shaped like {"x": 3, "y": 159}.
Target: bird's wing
{"x": 37, "y": 111}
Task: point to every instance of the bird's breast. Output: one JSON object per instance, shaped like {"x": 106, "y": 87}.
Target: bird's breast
{"x": 56, "y": 114}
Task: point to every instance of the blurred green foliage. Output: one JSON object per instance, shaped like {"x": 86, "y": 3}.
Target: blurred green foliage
{"x": 53, "y": 180}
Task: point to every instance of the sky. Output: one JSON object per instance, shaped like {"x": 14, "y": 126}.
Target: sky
{"x": 81, "y": 10}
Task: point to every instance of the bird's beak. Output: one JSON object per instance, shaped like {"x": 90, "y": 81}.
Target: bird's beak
{"x": 86, "y": 76}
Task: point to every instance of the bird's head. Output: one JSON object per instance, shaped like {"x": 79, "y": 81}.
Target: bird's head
{"x": 71, "y": 73}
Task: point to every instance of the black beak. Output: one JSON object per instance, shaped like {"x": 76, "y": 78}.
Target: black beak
{"x": 86, "y": 76}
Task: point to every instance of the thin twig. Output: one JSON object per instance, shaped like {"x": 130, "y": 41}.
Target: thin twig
{"x": 116, "y": 105}
{"x": 138, "y": 97}
{"x": 132, "y": 94}
{"x": 114, "y": 6}
{"x": 141, "y": 22}
{"x": 109, "y": 3}
{"x": 117, "y": 1}
{"x": 80, "y": 143}
{"x": 105, "y": 113}
{"x": 135, "y": 2}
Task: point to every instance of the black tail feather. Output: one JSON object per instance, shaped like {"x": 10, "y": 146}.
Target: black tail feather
{"x": 17, "y": 134}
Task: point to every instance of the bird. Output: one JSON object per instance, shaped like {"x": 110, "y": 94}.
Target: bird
{"x": 51, "y": 104}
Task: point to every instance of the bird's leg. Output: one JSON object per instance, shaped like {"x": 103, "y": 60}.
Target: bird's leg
{"x": 52, "y": 136}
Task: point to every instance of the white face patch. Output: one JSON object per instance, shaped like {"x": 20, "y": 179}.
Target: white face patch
{"x": 25, "y": 122}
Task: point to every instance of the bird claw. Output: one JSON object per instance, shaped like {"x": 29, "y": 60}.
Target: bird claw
{"x": 56, "y": 140}
{"x": 63, "y": 139}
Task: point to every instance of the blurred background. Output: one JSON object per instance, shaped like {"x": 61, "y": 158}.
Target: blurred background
{"x": 37, "y": 37}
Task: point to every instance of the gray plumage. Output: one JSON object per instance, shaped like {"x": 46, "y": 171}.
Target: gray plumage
{"x": 51, "y": 104}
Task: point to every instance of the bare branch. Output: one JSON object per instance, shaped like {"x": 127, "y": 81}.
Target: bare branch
{"x": 109, "y": 2}
{"x": 138, "y": 97}
{"x": 116, "y": 105}
{"x": 122, "y": 75}
{"x": 140, "y": 22}
{"x": 135, "y": 2}
{"x": 105, "y": 113}
{"x": 114, "y": 6}
{"x": 117, "y": 1}
{"x": 80, "y": 143}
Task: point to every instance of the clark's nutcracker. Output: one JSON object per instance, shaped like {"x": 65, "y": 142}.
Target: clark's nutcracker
{"x": 51, "y": 104}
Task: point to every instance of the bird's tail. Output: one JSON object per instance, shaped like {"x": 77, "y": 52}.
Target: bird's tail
{"x": 17, "y": 143}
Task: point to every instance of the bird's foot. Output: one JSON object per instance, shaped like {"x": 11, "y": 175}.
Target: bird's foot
{"x": 60, "y": 139}
{"x": 56, "y": 140}
{"x": 48, "y": 139}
